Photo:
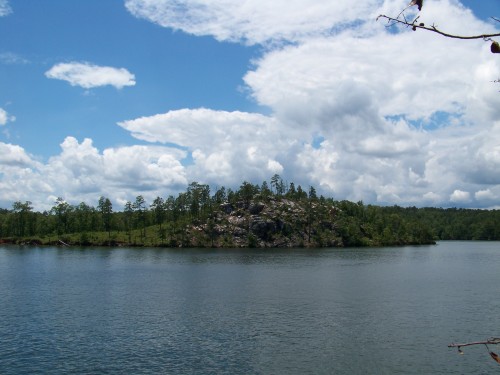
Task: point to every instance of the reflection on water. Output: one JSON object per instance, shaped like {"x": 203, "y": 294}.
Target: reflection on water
{"x": 259, "y": 311}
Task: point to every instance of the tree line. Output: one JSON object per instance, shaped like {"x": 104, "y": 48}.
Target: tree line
{"x": 195, "y": 218}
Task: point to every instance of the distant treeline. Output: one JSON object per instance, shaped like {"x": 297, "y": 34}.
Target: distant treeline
{"x": 266, "y": 215}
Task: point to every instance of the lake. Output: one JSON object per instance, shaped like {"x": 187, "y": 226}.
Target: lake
{"x": 251, "y": 311}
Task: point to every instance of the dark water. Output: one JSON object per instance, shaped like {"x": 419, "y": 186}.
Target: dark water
{"x": 150, "y": 311}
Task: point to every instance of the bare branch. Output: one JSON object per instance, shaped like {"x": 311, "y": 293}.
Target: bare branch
{"x": 434, "y": 29}
{"x": 491, "y": 341}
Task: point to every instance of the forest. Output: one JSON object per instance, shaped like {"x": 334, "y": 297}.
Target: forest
{"x": 274, "y": 214}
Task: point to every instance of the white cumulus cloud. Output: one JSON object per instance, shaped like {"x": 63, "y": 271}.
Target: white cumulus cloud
{"x": 225, "y": 146}
{"x": 13, "y": 156}
{"x": 89, "y": 76}
{"x": 253, "y": 21}
{"x": 459, "y": 196}
{"x": 83, "y": 173}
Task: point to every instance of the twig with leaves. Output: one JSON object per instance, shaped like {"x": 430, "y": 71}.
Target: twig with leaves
{"x": 490, "y": 341}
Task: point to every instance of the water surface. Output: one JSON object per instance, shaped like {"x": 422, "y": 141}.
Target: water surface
{"x": 299, "y": 311}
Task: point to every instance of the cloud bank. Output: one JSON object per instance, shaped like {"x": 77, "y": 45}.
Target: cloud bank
{"x": 90, "y": 76}
{"x": 361, "y": 111}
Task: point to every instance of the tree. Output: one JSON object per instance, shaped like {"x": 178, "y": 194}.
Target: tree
{"x": 312, "y": 197}
{"x": 159, "y": 210}
{"x": 291, "y": 193}
{"x": 128, "y": 212}
{"x": 139, "y": 207}
{"x": 247, "y": 192}
{"x": 277, "y": 184}
{"x": 301, "y": 194}
{"x": 106, "y": 209}
{"x": 312, "y": 193}
{"x": 84, "y": 220}
{"x": 61, "y": 210}
{"x": 220, "y": 195}
{"x": 205, "y": 200}
{"x": 22, "y": 222}
{"x": 170, "y": 208}
{"x": 198, "y": 196}
{"x": 265, "y": 192}
{"x": 193, "y": 195}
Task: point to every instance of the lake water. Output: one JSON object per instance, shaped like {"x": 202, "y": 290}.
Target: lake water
{"x": 299, "y": 311}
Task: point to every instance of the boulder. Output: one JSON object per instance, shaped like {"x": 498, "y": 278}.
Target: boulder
{"x": 256, "y": 208}
{"x": 226, "y": 208}
{"x": 262, "y": 228}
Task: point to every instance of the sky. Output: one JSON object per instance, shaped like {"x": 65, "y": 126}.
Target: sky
{"x": 120, "y": 98}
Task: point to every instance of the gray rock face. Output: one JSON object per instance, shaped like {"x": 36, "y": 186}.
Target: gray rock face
{"x": 263, "y": 223}
{"x": 262, "y": 228}
{"x": 256, "y": 208}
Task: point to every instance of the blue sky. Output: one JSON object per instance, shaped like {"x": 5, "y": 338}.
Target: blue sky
{"x": 172, "y": 69}
{"x": 483, "y": 9}
{"x": 121, "y": 98}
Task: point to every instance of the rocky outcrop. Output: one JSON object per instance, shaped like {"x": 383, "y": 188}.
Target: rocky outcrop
{"x": 264, "y": 223}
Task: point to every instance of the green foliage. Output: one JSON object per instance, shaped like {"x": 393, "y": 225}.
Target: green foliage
{"x": 271, "y": 214}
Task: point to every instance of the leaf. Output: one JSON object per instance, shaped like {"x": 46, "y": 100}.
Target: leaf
{"x": 416, "y": 2}
{"x": 495, "y": 47}
{"x": 495, "y": 357}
